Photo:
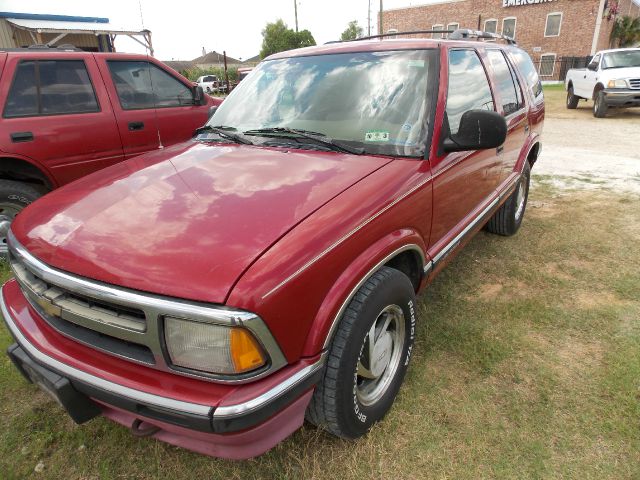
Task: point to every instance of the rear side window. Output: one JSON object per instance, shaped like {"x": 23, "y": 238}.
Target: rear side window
{"x": 508, "y": 85}
{"x": 468, "y": 87}
{"x": 50, "y": 87}
{"x": 528, "y": 71}
{"x": 141, "y": 85}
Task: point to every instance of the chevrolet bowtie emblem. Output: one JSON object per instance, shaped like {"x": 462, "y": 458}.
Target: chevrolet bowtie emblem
{"x": 48, "y": 307}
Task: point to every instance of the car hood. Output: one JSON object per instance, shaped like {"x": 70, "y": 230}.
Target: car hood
{"x": 625, "y": 73}
{"x": 185, "y": 222}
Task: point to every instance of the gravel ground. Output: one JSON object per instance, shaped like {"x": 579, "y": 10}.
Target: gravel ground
{"x": 580, "y": 151}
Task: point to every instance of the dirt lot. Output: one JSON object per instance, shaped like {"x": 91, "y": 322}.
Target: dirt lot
{"x": 585, "y": 152}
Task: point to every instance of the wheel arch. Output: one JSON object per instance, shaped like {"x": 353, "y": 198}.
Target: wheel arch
{"x": 24, "y": 170}
{"x": 529, "y": 153}
{"x": 404, "y": 252}
{"x": 599, "y": 86}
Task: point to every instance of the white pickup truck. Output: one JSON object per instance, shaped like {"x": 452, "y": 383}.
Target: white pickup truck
{"x": 209, "y": 83}
{"x": 612, "y": 79}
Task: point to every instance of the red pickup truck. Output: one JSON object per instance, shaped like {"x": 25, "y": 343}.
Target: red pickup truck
{"x": 216, "y": 293}
{"x": 67, "y": 113}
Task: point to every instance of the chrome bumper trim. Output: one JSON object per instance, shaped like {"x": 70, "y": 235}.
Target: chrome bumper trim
{"x": 230, "y": 411}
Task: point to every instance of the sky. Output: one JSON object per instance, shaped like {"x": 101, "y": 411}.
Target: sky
{"x": 181, "y": 29}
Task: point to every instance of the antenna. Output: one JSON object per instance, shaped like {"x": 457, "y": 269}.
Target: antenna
{"x": 141, "y": 17}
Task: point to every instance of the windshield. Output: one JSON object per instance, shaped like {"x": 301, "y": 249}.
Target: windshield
{"x": 374, "y": 100}
{"x": 621, "y": 59}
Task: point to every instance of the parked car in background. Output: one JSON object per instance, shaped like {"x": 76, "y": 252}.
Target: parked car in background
{"x": 612, "y": 79}
{"x": 209, "y": 83}
{"x": 69, "y": 113}
{"x": 215, "y": 293}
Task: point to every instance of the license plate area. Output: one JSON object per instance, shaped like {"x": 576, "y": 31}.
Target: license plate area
{"x": 79, "y": 407}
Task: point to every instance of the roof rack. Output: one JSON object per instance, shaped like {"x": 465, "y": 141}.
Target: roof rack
{"x": 460, "y": 34}
{"x": 465, "y": 34}
{"x": 45, "y": 46}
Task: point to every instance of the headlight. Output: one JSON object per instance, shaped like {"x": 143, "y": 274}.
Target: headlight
{"x": 212, "y": 348}
{"x": 617, "y": 84}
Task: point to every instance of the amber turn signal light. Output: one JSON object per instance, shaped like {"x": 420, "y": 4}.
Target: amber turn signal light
{"x": 246, "y": 353}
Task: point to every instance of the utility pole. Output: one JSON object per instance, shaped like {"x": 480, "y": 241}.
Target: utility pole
{"x": 295, "y": 8}
{"x": 369, "y": 20}
{"x": 381, "y": 28}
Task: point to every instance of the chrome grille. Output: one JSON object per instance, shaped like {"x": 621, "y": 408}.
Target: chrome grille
{"x": 635, "y": 83}
{"x": 54, "y": 301}
{"x": 124, "y": 322}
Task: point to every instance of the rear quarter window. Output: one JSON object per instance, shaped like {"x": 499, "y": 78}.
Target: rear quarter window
{"x": 528, "y": 70}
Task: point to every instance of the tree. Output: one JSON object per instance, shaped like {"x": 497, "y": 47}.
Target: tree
{"x": 278, "y": 37}
{"x": 352, "y": 31}
{"x": 626, "y": 31}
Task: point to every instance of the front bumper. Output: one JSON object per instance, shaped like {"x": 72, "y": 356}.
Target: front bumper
{"x": 243, "y": 422}
{"x": 621, "y": 97}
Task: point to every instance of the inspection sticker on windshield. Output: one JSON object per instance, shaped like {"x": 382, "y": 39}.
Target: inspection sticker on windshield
{"x": 376, "y": 136}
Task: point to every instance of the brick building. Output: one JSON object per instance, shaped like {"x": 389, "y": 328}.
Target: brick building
{"x": 558, "y": 34}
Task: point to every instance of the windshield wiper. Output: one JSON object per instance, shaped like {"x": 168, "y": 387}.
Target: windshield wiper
{"x": 320, "y": 138}
{"x": 224, "y": 132}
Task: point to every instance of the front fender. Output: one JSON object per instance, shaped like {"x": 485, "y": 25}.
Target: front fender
{"x": 356, "y": 274}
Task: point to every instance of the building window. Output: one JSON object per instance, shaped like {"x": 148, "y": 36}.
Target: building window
{"x": 554, "y": 22}
{"x": 438, "y": 26}
{"x": 453, "y": 26}
{"x": 547, "y": 64}
{"x": 509, "y": 27}
{"x": 491, "y": 25}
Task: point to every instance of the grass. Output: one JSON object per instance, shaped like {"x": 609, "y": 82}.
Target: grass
{"x": 527, "y": 365}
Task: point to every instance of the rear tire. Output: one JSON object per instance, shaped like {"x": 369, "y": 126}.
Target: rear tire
{"x": 14, "y": 196}
{"x": 572, "y": 100}
{"x": 368, "y": 356}
{"x": 507, "y": 220}
{"x": 600, "y": 107}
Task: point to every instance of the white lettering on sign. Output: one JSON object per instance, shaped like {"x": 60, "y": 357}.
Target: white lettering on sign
{"x": 522, "y": 3}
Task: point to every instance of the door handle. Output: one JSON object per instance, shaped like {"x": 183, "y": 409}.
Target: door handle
{"x": 136, "y": 126}
{"x": 500, "y": 149}
{"x": 526, "y": 128}
{"x": 18, "y": 137}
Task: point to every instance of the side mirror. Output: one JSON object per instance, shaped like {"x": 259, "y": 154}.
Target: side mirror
{"x": 479, "y": 130}
{"x": 199, "y": 95}
{"x": 592, "y": 66}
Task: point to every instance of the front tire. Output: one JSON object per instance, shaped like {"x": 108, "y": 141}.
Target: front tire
{"x": 507, "y": 220}
{"x": 572, "y": 100}
{"x": 368, "y": 357}
{"x": 14, "y": 196}
{"x": 600, "y": 107}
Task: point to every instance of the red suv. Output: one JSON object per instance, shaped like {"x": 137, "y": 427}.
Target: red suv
{"x": 67, "y": 113}
{"x": 216, "y": 293}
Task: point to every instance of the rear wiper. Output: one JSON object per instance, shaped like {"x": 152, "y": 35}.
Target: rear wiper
{"x": 223, "y": 132}
{"x": 320, "y": 138}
